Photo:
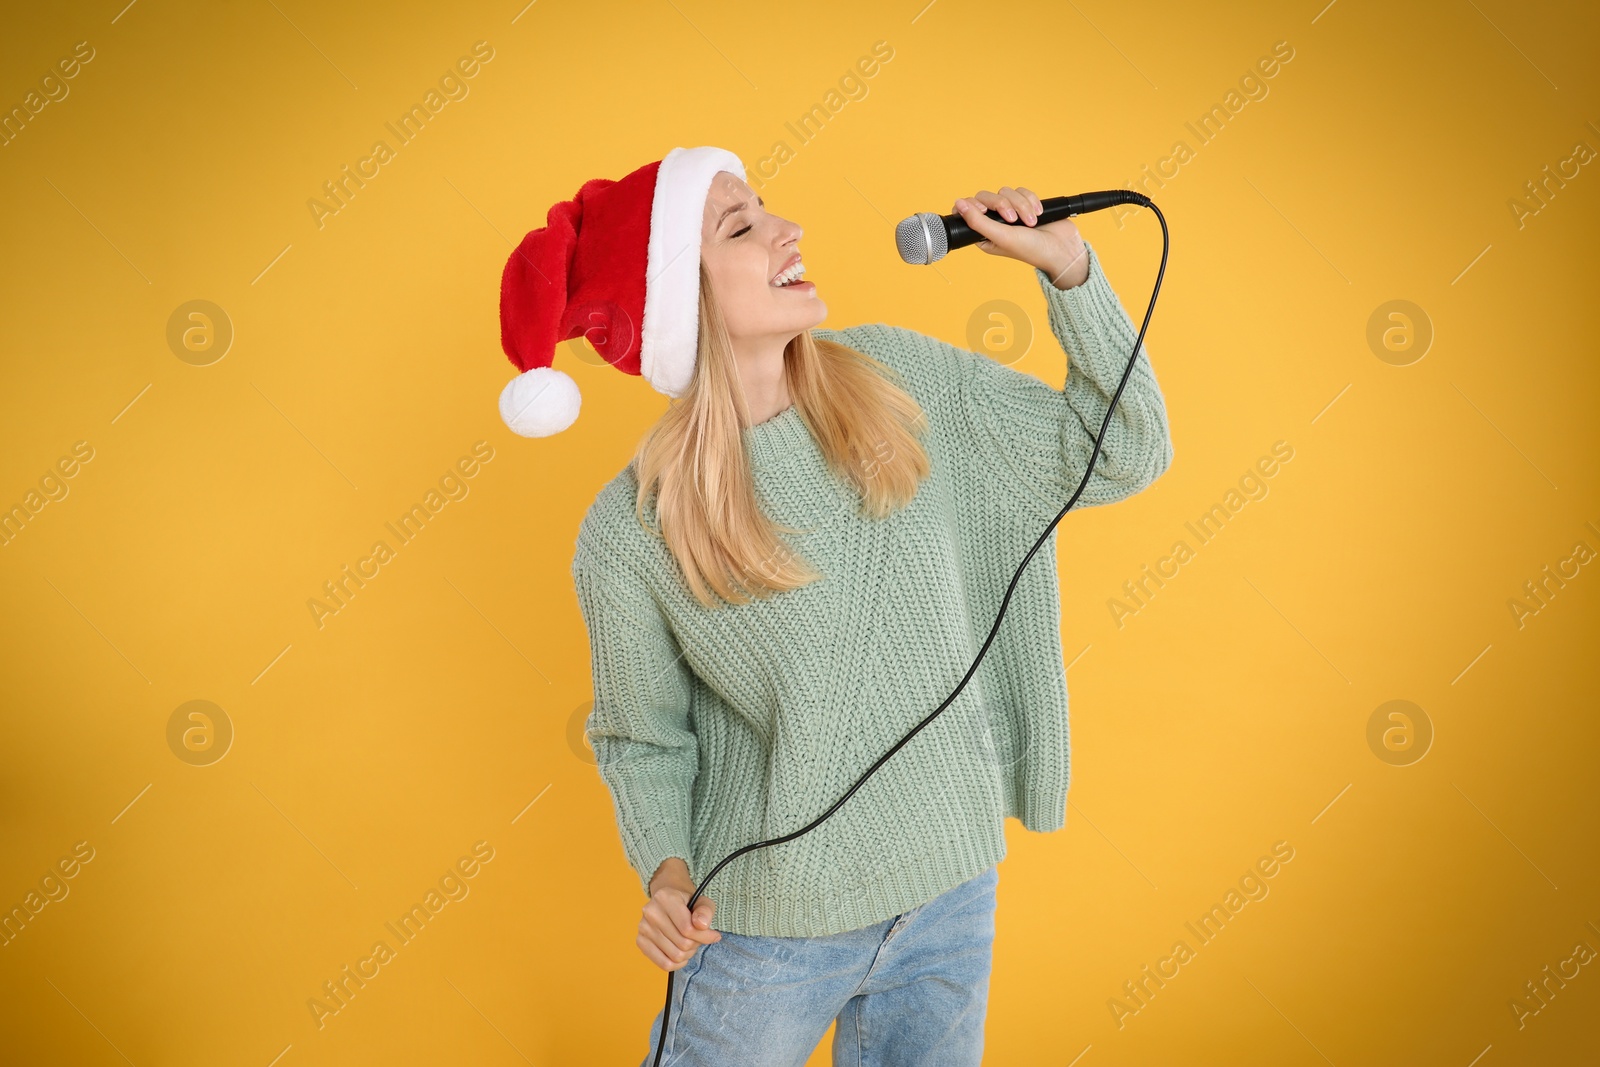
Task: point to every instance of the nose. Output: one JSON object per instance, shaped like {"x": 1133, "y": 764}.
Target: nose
{"x": 789, "y": 233}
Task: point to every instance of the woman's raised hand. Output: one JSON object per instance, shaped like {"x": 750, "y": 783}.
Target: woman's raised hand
{"x": 668, "y": 934}
{"x": 1055, "y": 248}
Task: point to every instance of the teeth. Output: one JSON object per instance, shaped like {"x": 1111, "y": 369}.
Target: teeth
{"x": 791, "y": 275}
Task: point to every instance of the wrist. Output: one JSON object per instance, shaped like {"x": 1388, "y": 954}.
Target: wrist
{"x": 1070, "y": 271}
{"x": 673, "y": 872}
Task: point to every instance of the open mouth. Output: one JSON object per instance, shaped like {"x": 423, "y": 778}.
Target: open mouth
{"x": 790, "y": 275}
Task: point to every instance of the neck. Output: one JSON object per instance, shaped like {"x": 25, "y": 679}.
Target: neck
{"x": 761, "y": 371}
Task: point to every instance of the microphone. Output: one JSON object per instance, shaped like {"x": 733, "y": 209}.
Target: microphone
{"x": 926, "y": 237}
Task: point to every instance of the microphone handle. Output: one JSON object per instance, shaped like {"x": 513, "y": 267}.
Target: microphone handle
{"x": 1056, "y": 208}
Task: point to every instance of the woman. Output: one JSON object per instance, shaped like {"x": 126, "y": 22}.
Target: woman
{"x": 800, "y": 562}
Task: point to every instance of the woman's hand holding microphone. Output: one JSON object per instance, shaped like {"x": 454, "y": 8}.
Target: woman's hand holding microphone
{"x": 668, "y": 934}
{"x": 1055, "y": 248}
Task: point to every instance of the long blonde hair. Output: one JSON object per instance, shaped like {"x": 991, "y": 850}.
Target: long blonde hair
{"x": 693, "y": 460}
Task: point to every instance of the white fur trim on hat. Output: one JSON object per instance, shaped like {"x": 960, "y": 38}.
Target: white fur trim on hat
{"x": 670, "y": 334}
{"x": 540, "y": 402}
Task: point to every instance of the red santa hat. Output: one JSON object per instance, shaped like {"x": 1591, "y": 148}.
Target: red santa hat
{"x": 620, "y": 264}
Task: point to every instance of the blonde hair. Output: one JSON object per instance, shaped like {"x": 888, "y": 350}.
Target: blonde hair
{"x": 693, "y": 460}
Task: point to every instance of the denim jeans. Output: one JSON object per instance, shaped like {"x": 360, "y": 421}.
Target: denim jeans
{"x": 911, "y": 990}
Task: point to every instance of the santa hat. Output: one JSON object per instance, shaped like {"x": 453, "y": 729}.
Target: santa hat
{"x": 620, "y": 264}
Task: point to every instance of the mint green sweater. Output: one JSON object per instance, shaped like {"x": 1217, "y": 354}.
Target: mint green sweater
{"x": 716, "y": 728}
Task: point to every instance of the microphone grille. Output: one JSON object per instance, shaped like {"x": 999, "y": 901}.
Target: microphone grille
{"x": 922, "y": 239}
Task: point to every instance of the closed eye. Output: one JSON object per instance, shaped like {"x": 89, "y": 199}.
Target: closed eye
{"x": 740, "y": 233}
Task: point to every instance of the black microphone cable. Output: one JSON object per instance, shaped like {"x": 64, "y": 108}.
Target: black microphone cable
{"x": 1088, "y": 202}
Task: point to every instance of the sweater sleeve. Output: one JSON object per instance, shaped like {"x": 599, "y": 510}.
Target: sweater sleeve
{"x": 645, "y": 748}
{"x": 1042, "y": 437}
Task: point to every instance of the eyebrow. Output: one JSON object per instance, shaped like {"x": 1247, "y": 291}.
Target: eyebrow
{"x": 737, "y": 207}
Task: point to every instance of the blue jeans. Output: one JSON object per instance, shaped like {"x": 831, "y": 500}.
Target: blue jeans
{"x": 910, "y": 990}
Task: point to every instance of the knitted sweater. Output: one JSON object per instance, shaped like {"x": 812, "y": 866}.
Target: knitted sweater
{"x": 716, "y": 728}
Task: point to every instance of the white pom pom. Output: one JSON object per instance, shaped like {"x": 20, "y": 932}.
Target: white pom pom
{"x": 540, "y": 402}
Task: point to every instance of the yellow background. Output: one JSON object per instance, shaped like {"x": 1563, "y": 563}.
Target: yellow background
{"x": 441, "y": 706}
